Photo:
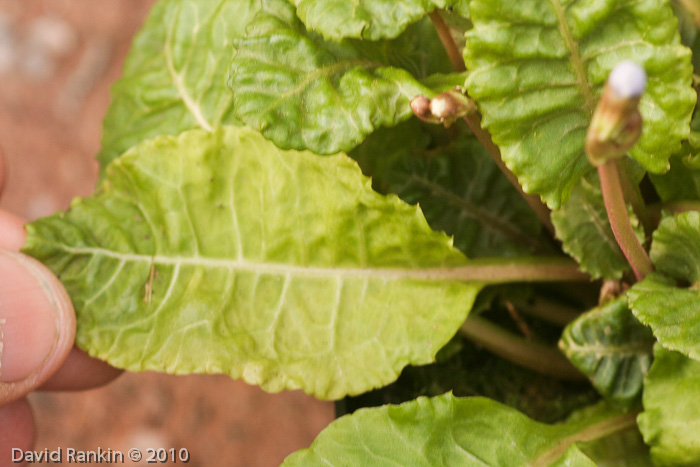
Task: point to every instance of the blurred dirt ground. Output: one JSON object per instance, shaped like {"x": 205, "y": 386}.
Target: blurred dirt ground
{"x": 58, "y": 59}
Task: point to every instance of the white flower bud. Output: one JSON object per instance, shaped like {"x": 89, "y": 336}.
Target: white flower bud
{"x": 628, "y": 79}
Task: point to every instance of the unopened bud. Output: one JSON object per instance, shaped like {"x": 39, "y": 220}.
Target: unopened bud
{"x": 450, "y": 105}
{"x": 444, "y": 108}
{"x": 421, "y": 109}
{"x": 617, "y": 124}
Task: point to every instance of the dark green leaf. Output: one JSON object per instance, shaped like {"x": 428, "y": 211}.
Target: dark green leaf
{"x": 679, "y": 183}
{"x": 583, "y": 227}
{"x": 457, "y": 185}
{"x": 612, "y": 348}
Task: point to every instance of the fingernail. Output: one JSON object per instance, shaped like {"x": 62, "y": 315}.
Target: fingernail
{"x": 28, "y": 318}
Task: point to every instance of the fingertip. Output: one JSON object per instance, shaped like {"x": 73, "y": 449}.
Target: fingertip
{"x": 16, "y": 429}
{"x": 12, "y": 233}
{"x": 3, "y": 170}
{"x": 80, "y": 371}
{"x": 37, "y": 325}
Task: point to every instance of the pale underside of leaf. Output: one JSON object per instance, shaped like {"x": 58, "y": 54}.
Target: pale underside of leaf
{"x": 304, "y": 93}
{"x": 614, "y": 350}
{"x": 449, "y": 431}
{"x": 219, "y": 253}
{"x": 174, "y": 78}
{"x": 537, "y": 68}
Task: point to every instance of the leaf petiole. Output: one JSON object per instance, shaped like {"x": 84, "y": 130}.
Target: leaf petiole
{"x": 533, "y": 355}
{"x": 484, "y": 137}
{"x": 616, "y": 208}
{"x": 447, "y": 40}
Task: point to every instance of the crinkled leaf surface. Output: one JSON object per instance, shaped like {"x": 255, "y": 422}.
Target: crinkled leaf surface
{"x": 537, "y": 68}
{"x": 449, "y": 431}
{"x": 304, "y": 93}
{"x": 612, "y": 348}
{"x": 219, "y": 253}
{"x": 583, "y": 227}
{"x": 682, "y": 181}
{"x": 457, "y": 185}
{"x": 673, "y": 312}
{"x": 669, "y": 422}
{"x": 368, "y": 19}
{"x": 174, "y": 78}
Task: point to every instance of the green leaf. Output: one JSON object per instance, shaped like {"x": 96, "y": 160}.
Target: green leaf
{"x": 174, "y": 78}
{"x": 368, "y": 19}
{"x": 625, "y": 448}
{"x": 573, "y": 457}
{"x": 537, "y": 68}
{"x": 304, "y": 93}
{"x": 669, "y": 422}
{"x": 673, "y": 312}
{"x": 679, "y": 183}
{"x": 467, "y": 369}
{"x": 219, "y": 253}
{"x": 612, "y": 348}
{"x": 449, "y": 431}
{"x": 457, "y": 185}
{"x": 583, "y": 227}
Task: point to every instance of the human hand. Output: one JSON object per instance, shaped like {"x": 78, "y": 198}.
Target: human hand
{"x": 37, "y": 330}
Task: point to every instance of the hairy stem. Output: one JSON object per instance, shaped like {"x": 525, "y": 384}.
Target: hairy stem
{"x": 533, "y": 201}
{"x": 447, "y": 40}
{"x": 619, "y": 220}
{"x": 533, "y": 355}
{"x": 550, "y": 311}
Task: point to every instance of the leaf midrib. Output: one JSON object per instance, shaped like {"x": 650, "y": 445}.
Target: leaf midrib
{"x": 574, "y": 56}
{"x": 592, "y": 432}
{"x": 640, "y": 348}
{"x": 477, "y": 271}
{"x": 190, "y": 104}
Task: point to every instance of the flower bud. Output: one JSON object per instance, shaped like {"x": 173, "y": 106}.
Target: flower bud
{"x": 444, "y": 108}
{"x": 617, "y": 124}
{"x": 421, "y": 109}
{"x": 450, "y": 105}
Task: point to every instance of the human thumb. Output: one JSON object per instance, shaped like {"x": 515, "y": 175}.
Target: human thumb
{"x": 37, "y": 325}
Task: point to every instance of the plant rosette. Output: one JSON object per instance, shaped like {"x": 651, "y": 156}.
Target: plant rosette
{"x": 473, "y": 223}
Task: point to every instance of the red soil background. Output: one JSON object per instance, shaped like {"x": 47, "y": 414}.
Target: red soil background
{"x": 58, "y": 59}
